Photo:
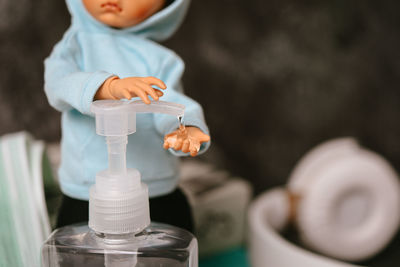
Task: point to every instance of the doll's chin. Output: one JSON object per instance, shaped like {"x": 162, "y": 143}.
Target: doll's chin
{"x": 115, "y": 21}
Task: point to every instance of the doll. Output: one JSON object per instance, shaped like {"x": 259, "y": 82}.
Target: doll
{"x": 109, "y": 52}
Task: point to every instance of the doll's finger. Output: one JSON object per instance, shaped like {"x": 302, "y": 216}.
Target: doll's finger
{"x": 169, "y": 135}
{"x": 166, "y": 144}
{"x": 170, "y": 140}
{"x": 193, "y": 153}
{"x": 201, "y": 137}
{"x": 178, "y": 144}
{"x": 143, "y": 96}
{"x": 194, "y": 148}
{"x": 204, "y": 138}
{"x": 126, "y": 94}
{"x": 159, "y": 93}
{"x": 155, "y": 81}
{"x": 151, "y": 91}
{"x": 185, "y": 146}
{"x": 148, "y": 89}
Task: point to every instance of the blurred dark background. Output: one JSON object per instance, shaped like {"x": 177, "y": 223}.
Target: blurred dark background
{"x": 275, "y": 78}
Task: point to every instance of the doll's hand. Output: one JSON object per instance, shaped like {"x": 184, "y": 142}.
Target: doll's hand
{"x": 116, "y": 88}
{"x": 187, "y": 139}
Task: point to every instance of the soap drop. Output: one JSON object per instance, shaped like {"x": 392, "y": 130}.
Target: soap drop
{"x": 180, "y": 119}
{"x": 181, "y": 124}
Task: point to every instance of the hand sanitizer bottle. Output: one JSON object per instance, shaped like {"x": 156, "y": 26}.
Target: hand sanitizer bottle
{"x": 119, "y": 231}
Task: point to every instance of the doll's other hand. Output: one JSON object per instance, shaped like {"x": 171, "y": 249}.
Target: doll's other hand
{"x": 116, "y": 88}
{"x": 187, "y": 139}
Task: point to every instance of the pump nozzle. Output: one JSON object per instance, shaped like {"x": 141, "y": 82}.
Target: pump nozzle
{"x": 118, "y": 201}
{"x": 169, "y": 108}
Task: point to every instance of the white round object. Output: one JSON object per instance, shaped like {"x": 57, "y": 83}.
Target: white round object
{"x": 350, "y": 201}
{"x": 304, "y": 172}
{"x": 267, "y": 214}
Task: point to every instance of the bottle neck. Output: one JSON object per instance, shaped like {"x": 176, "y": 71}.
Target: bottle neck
{"x": 117, "y": 154}
{"x": 117, "y": 239}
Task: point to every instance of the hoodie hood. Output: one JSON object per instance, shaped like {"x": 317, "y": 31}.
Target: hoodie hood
{"x": 159, "y": 27}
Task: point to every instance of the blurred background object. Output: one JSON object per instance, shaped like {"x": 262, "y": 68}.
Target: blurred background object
{"x": 26, "y": 184}
{"x": 275, "y": 78}
{"x": 344, "y": 201}
{"x": 219, "y": 203}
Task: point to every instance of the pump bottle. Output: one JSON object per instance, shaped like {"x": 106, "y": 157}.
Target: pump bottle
{"x": 119, "y": 232}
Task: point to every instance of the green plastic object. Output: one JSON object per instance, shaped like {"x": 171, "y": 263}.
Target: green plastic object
{"x": 24, "y": 220}
{"x": 236, "y": 257}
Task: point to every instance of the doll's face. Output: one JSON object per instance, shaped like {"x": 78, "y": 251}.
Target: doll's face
{"x": 122, "y": 13}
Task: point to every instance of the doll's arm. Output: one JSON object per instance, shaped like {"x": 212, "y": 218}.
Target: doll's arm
{"x": 66, "y": 86}
{"x": 171, "y": 73}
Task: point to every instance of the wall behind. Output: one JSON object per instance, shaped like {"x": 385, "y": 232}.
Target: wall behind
{"x": 28, "y": 31}
{"x": 274, "y": 77}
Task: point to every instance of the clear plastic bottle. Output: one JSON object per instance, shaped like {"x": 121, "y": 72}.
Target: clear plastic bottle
{"x": 119, "y": 233}
{"x": 157, "y": 245}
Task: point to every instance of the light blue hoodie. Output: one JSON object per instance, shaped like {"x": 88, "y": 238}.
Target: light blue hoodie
{"x": 89, "y": 53}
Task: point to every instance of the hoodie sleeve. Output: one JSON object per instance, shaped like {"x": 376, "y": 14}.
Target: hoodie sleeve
{"x": 171, "y": 71}
{"x": 66, "y": 86}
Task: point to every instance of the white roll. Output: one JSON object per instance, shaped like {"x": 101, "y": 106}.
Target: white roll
{"x": 349, "y": 207}
{"x": 304, "y": 172}
{"x": 267, "y": 214}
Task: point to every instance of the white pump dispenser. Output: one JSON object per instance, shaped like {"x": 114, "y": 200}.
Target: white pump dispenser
{"x": 120, "y": 233}
{"x": 118, "y": 201}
